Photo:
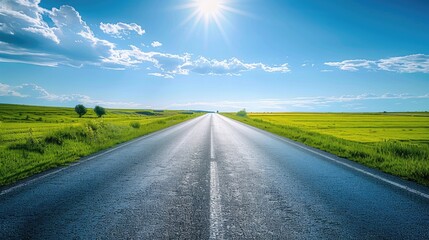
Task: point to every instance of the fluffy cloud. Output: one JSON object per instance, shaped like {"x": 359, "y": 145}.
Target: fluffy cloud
{"x": 353, "y": 101}
{"x": 27, "y": 20}
{"x": 26, "y": 37}
{"x": 232, "y": 66}
{"x": 120, "y": 29}
{"x": 10, "y": 91}
{"x": 284, "y": 68}
{"x": 156, "y": 44}
{"x": 350, "y": 102}
{"x": 352, "y": 65}
{"x": 206, "y": 66}
{"x": 161, "y": 75}
{"x": 405, "y": 64}
{"x": 30, "y": 90}
{"x": 173, "y": 64}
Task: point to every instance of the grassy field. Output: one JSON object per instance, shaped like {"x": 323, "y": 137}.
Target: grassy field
{"x": 396, "y": 143}
{"x": 34, "y": 139}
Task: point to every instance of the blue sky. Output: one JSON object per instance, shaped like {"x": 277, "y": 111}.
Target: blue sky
{"x": 262, "y": 55}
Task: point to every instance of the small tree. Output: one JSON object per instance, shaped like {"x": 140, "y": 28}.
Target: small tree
{"x": 80, "y": 109}
{"x": 242, "y": 113}
{"x": 100, "y": 111}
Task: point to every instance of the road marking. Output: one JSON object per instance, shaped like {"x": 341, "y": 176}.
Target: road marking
{"x": 393, "y": 183}
{"x": 215, "y": 205}
{"x": 212, "y": 154}
{"x": 28, "y": 182}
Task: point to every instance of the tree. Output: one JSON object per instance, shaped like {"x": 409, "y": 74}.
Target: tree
{"x": 100, "y": 111}
{"x": 80, "y": 109}
{"x": 242, "y": 113}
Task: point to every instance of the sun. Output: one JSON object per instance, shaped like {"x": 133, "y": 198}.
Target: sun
{"x": 212, "y": 15}
{"x": 209, "y": 8}
{"x": 209, "y": 13}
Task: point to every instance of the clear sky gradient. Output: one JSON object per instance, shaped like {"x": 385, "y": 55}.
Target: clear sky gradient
{"x": 262, "y": 55}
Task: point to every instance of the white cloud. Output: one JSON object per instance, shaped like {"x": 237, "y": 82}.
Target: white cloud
{"x": 27, "y": 18}
{"x": 231, "y": 66}
{"x": 45, "y": 32}
{"x": 10, "y": 91}
{"x": 405, "y": 64}
{"x": 205, "y": 66}
{"x": 171, "y": 63}
{"x": 29, "y": 39}
{"x": 307, "y": 65}
{"x": 33, "y": 91}
{"x": 26, "y": 38}
{"x": 296, "y": 103}
{"x": 284, "y": 68}
{"x": 352, "y": 65}
{"x": 156, "y": 44}
{"x": 120, "y": 29}
{"x": 161, "y": 75}
{"x": 174, "y": 64}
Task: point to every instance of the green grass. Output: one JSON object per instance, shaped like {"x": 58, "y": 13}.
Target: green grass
{"x": 34, "y": 139}
{"x": 396, "y": 143}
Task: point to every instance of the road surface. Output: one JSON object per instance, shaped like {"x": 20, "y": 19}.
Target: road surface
{"x": 212, "y": 177}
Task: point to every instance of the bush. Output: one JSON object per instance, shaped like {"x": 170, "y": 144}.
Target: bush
{"x": 135, "y": 124}
{"x": 80, "y": 109}
{"x": 147, "y": 113}
{"x": 95, "y": 125}
{"x": 187, "y": 112}
{"x": 100, "y": 111}
{"x": 31, "y": 144}
{"x": 54, "y": 139}
{"x": 242, "y": 113}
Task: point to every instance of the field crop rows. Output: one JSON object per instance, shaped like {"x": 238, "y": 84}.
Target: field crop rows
{"x": 358, "y": 127}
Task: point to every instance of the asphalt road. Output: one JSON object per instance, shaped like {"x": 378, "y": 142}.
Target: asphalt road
{"x": 212, "y": 177}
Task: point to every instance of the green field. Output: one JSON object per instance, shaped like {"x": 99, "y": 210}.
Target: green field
{"x": 34, "y": 139}
{"x": 396, "y": 143}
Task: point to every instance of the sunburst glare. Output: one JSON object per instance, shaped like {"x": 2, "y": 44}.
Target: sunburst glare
{"x": 209, "y": 7}
{"x": 208, "y": 12}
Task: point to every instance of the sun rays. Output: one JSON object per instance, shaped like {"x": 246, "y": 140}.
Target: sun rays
{"x": 208, "y": 13}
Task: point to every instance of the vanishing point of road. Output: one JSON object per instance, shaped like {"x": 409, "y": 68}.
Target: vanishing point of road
{"x": 214, "y": 178}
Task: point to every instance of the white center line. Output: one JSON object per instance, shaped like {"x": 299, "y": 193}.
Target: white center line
{"x": 212, "y": 154}
{"x": 215, "y": 205}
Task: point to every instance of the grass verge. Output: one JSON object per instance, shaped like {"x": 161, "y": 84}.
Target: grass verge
{"x": 30, "y": 147}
